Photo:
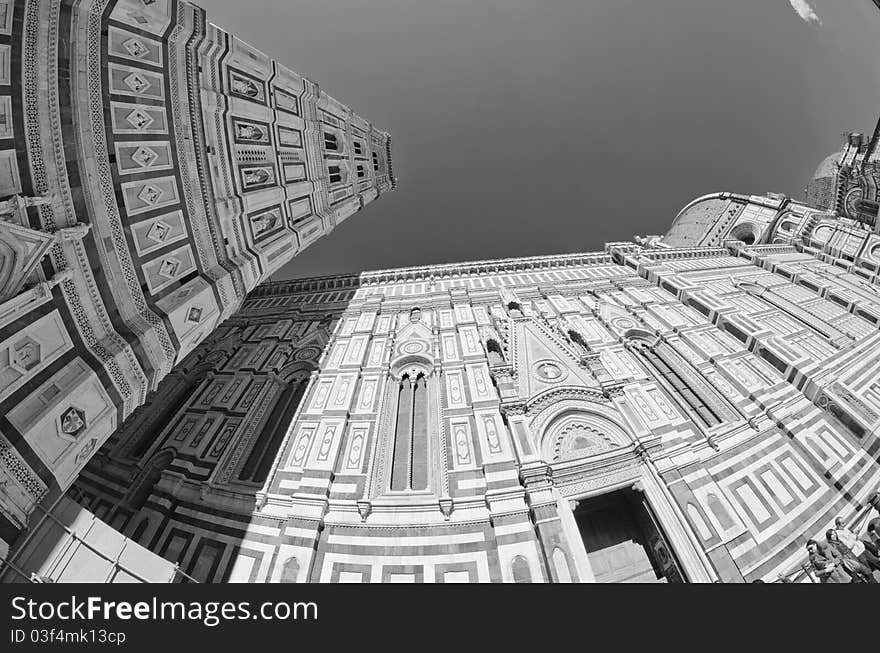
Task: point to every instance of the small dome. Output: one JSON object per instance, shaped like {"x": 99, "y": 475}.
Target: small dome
{"x": 696, "y": 220}
{"x": 820, "y": 190}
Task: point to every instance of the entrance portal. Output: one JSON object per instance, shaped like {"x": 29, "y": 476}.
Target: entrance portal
{"x": 623, "y": 540}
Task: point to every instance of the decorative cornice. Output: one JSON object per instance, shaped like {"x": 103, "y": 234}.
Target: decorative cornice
{"x": 431, "y": 273}
{"x": 391, "y": 178}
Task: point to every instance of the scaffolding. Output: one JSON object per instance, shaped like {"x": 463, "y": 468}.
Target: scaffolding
{"x": 70, "y": 544}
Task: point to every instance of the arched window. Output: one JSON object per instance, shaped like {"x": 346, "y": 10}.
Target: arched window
{"x": 563, "y": 574}
{"x": 415, "y": 315}
{"x": 579, "y": 341}
{"x": 151, "y": 474}
{"x": 148, "y": 422}
{"x": 494, "y": 353}
{"x": 259, "y": 462}
{"x": 290, "y": 571}
{"x": 520, "y": 568}
{"x": 699, "y": 398}
{"x": 409, "y": 469}
{"x": 515, "y": 309}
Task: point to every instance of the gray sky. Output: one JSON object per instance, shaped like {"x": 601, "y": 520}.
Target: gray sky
{"x": 551, "y": 126}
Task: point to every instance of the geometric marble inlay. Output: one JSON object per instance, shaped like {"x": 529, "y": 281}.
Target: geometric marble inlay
{"x": 159, "y": 232}
{"x": 169, "y": 267}
{"x": 73, "y": 420}
{"x": 135, "y": 48}
{"x": 150, "y": 194}
{"x": 144, "y": 156}
{"x": 194, "y": 314}
{"x": 139, "y": 119}
{"x": 137, "y": 83}
{"x": 25, "y": 354}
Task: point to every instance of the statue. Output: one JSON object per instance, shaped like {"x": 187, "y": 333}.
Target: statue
{"x": 76, "y": 232}
{"x": 41, "y": 290}
{"x": 17, "y": 203}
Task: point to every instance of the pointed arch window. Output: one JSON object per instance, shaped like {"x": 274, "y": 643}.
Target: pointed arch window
{"x": 494, "y": 353}
{"x": 520, "y": 569}
{"x": 259, "y": 461}
{"x": 698, "y": 397}
{"x": 579, "y": 341}
{"x": 150, "y": 476}
{"x": 409, "y": 468}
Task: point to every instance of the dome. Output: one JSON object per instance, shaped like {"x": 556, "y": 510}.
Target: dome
{"x": 820, "y": 190}
{"x": 695, "y": 223}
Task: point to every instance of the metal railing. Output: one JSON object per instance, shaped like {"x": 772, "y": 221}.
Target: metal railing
{"x": 117, "y": 566}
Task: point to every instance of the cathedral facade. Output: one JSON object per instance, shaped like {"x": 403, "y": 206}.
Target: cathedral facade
{"x": 684, "y": 408}
{"x": 688, "y": 407}
{"x": 154, "y": 169}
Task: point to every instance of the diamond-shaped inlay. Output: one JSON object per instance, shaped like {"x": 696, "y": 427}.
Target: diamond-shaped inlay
{"x": 147, "y": 3}
{"x": 73, "y": 421}
{"x": 150, "y": 194}
{"x": 169, "y": 267}
{"x": 144, "y": 156}
{"x": 195, "y": 314}
{"x": 25, "y": 354}
{"x": 86, "y": 451}
{"x": 159, "y": 232}
{"x": 137, "y": 83}
{"x": 143, "y": 20}
{"x": 135, "y": 47}
{"x": 139, "y": 119}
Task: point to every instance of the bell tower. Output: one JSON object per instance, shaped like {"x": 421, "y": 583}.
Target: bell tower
{"x": 154, "y": 170}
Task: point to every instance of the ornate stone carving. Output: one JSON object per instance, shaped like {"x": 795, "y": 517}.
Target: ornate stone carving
{"x": 579, "y": 440}
{"x": 446, "y": 507}
{"x": 364, "y": 509}
{"x": 72, "y": 422}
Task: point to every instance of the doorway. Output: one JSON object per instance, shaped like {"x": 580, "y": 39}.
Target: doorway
{"x": 624, "y": 541}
